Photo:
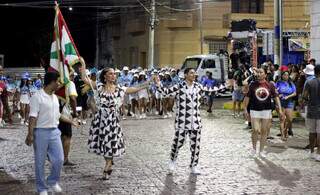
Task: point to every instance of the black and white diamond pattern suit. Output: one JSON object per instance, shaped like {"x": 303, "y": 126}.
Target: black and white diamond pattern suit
{"x": 187, "y": 120}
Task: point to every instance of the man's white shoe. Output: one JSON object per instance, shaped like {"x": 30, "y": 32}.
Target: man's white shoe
{"x": 313, "y": 155}
{"x": 317, "y": 157}
{"x": 253, "y": 153}
{"x": 263, "y": 154}
{"x": 195, "y": 171}
{"x": 56, "y": 188}
{"x": 45, "y": 192}
{"x": 172, "y": 166}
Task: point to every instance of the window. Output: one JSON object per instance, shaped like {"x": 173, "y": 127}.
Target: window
{"x": 181, "y": 4}
{"x": 216, "y": 46}
{"x": 247, "y": 6}
{"x": 191, "y": 63}
{"x": 209, "y": 63}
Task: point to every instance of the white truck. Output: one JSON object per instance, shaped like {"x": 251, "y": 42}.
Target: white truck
{"x": 217, "y": 64}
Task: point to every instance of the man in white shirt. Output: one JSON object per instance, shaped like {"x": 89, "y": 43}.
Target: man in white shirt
{"x": 43, "y": 132}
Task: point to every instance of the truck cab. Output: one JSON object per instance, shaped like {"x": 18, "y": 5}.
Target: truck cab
{"x": 217, "y": 64}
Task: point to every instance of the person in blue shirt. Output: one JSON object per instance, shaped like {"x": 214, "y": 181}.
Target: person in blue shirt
{"x": 125, "y": 78}
{"x": 175, "y": 77}
{"x": 210, "y": 83}
{"x": 38, "y": 82}
{"x": 287, "y": 91}
{"x": 167, "y": 101}
{"x": 133, "y": 98}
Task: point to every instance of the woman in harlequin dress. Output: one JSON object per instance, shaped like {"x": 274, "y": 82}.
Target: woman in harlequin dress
{"x": 105, "y": 134}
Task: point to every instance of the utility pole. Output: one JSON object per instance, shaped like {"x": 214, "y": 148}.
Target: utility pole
{"x": 278, "y": 31}
{"x": 151, "y": 35}
{"x": 201, "y": 26}
{"x": 281, "y": 31}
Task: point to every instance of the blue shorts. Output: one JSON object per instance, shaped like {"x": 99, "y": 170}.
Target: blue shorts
{"x": 237, "y": 95}
{"x": 287, "y": 104}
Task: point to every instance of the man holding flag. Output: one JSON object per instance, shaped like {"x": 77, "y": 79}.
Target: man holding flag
{"x": 64, "y": 55}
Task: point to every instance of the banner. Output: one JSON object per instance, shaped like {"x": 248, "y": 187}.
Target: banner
{"x": 299, "y": 44}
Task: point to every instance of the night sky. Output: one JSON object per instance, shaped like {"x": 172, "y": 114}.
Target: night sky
{"x": 26, "y": 34}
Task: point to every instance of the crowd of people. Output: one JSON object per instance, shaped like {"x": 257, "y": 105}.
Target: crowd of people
{"x": 269, "y": 89}
{"x": 111, "y": 95}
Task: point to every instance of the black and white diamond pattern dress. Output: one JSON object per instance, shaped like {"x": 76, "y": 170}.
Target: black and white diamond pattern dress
{"x": 105, "y": 134}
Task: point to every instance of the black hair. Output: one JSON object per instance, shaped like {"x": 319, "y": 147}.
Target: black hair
{"x": 104, "y": 72}
{"x": 167, "y": 78}
{"x": 142, "y": 78}
{"x": 50, "y": 77}
{"x": 22, "y": 84}
{"x": 317, "y": 70}
{"x": 187, "y": 70}
{"x": 134, "y": 79}
{"x": 312, "y": 60}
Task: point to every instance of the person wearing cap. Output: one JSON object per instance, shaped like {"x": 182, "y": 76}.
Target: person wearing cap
{"x": 125, "y": 79}
{"x": 143, "y": 96}
{"x": 152, "y": 90}
{"x": 309, "y": 72}
{"x": 311, "y": 94}
{"x": 24, "y": 90}
{"x": 159, "y": 97}
{"x": 188, "y": 121}
{"x": 133, "y": 97}
{"x": 168, "y": 100}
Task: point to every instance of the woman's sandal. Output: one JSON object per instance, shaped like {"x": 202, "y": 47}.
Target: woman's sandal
{"x": 107, "y": 171}
{"x": 106, "y": 174}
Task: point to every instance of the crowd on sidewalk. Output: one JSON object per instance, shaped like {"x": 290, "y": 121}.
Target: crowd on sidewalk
{"x": 271, "y": 88}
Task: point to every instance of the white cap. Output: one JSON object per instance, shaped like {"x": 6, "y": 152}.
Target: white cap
{"x": 135, "y": 75}
{"x": 309, "y": 70}
{"x": 142, "y": 73}
{"x": 125, "y": 68}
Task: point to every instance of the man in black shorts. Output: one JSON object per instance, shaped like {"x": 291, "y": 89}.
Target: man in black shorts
{"x": 68, "y": 108}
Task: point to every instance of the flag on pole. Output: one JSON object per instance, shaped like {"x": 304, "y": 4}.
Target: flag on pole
{"x": 64, "y": 53}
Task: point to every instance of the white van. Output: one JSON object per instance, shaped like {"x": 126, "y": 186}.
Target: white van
{"x": 217, "y": 64}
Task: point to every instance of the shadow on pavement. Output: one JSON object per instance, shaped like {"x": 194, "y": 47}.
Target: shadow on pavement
{"x": 9, "y": 185}
{"x": 271, "y": 171}
{"x": 172, "y": 188}
{"x": 192, "y": 183}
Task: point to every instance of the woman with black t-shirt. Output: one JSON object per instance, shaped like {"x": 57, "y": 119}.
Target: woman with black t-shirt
{"x": 260, "y": 94}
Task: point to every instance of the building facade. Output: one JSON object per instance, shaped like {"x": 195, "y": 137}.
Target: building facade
{"x": 315, "y": 30}
{"x": 178, "y": 30}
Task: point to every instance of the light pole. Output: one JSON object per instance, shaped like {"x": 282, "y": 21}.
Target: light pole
{"x": 278, "y": 31}
{"x": 151, "y": 35}
{"x": 201, "y": 25}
